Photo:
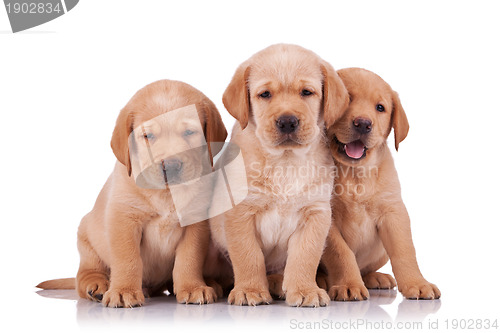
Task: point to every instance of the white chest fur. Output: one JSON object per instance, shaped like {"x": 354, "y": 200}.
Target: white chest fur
{"x": 275, "y": 226}
{"x": 160, "y": 238}
{"x": 287, "y": 187}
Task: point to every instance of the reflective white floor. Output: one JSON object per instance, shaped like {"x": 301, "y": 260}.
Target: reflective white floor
{"x": 165, "y": 312}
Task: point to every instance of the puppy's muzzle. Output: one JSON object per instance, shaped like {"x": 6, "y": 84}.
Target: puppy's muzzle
{"x": 171, "y": 168}
{"x": 287, "y": 124}
{"x": 362, "y": 125}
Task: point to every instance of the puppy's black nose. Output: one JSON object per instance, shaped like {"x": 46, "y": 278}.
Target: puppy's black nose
{"x": 287, "y": 124}
{"x": 171, "y": 166}
{"x": 362, "y": 125}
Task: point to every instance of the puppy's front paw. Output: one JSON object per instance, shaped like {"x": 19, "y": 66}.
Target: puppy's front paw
{"x": 123, "y": 298}
{"x": 196, "y": 295}
{"x": 249, "y": 296}
{"x": 376, "y": 280}
{"x": 312, "y": 297}
{"x": 419, "y": 290}
{"x": 348, "y": 292}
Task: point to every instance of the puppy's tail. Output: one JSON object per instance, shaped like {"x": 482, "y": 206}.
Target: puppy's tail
{"x": 68, "y": 283}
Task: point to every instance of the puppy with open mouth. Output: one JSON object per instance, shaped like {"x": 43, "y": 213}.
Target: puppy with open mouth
{"x": 370, "y": 221}
{"x": 282, "y": 98}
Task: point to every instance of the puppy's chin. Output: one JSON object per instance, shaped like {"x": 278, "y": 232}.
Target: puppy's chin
{"x": 277, "y": 143}
{"x": 154, "y": 177}
{"x": 151, "y": 178}
{"x": 280, "y": 148}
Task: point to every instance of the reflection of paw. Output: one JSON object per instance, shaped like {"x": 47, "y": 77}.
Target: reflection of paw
{"x": 196, "y": 295}
{"x": 411, "y": 310}
{"x": 376, "y": 280}
{"x": 349, "y": 292}
{"x": 249, "y": 296}
{"x": 308, "y": 298}
{"x": 419, "y": 290}
{"x": 92, "y": 285}
{"x": 276, "y": 285}
{"x": 123, "y": 298}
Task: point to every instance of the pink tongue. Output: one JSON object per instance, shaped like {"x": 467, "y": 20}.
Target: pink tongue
{"x": 355, "y": 149}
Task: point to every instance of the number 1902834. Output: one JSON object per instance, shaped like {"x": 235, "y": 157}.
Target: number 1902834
{"x": 471, "y": 324}
{"x": 33, "y": 8}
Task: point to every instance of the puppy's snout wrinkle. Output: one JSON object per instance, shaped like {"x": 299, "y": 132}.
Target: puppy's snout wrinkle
{"x": 362, "y": 125}
{"x": 287, "y": 124}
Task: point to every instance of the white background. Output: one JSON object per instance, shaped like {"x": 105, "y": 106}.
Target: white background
{"x": 63, "y": 83}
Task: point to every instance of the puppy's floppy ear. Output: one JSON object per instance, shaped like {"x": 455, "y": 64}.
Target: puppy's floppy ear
{"x": 399, "y": 120}
{"x": 235, "y": 98}
{"x": 119, "y": 140}
{"x": 335, "y": 95}
{"x": 213, "y": 128}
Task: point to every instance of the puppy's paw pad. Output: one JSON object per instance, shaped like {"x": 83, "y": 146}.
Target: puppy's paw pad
{"x": 420, "y": 290}
{"x": 249, "y": 296}
{"x": 349, "y": 292}
{"x": 376, "y": 280}
{"x": 314, "y": 297}
{"x": 123, "y": 298}
{"x": 196, "y": 295}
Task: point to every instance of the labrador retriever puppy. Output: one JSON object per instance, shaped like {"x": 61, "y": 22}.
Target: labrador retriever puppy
{"x": 282, "y": 98}
{"x": 131, "y": 244}
{"x": 370, "y": 221}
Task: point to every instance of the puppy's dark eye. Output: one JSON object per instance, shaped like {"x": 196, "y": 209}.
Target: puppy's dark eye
{"x": 380, "y": 108}
{"x": 149, "y": 136}
{"x": 306, "y": 92}
{"x": 188, "y": 132}
{"x": 265, "y": 94}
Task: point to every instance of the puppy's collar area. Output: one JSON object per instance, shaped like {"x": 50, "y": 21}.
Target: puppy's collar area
{"x": 354, "y": 150}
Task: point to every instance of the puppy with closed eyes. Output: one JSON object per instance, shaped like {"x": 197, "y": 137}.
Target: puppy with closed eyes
{"x": 370, "y": 221}
{"x": 282, "y": 98}
{"x": 131, "y": 244}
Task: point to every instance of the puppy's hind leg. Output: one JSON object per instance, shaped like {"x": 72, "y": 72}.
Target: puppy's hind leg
{"x": 92, "y": 279}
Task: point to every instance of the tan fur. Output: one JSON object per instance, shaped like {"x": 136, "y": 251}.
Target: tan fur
{"x": 132, "y": 240}
{"x": 282, "y": 224}
{"x": 68, "y": 283}
{"x": 370, "y": 221}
